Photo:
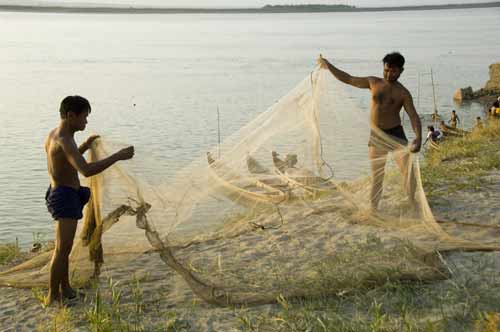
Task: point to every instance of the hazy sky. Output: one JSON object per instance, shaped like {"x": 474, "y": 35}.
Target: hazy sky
{"x": 242, "y": 3}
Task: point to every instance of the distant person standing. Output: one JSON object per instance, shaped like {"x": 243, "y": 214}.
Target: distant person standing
{"x": 454, "y": 119}
{"x": 65, "y": 198}
{"x": 479, "y": 123}
{"x": 388, "y": 97}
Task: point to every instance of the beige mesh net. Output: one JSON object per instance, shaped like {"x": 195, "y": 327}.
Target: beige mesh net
{"x": 285, "y": 206}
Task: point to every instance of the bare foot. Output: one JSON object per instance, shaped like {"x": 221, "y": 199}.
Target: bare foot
{"x": 69, "y": 293}
{"x": 52, "y": 299}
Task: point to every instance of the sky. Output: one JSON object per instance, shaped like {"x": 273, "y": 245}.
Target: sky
{"x": 238, "y": 3}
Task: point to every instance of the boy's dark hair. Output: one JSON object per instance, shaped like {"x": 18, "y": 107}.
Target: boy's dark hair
{"x": 394, "y": 59}
{"x": 431, "y": 128}
{"x": 75, "y": 104}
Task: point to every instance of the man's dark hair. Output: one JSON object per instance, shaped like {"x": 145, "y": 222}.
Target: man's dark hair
{"x": 394, "y": 59}
{"x": 431, "y": 128}
{"x": 75, "y": 104}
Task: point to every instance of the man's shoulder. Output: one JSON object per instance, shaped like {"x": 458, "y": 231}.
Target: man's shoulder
{"x": 375, "y": 79}
{"x": 375, "y": 82}
{"x": 403, "y": 90}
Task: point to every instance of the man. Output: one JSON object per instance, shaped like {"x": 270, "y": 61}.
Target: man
{"x": 388, "y": 97}
{"x": 454, "y": 119}
{"x": 65, "y": 197}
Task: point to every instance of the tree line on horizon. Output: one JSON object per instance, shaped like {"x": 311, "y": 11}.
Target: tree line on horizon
{"x": 309, "y": 7}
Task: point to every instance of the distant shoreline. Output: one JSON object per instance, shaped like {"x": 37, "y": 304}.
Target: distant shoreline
{"x": 263, "y": 10}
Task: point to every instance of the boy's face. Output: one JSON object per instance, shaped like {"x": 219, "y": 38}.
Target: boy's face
{"x": 78, "y": 121}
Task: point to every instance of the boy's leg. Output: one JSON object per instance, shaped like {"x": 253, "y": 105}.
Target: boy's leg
{"x": 65, "y": 233}
{"x": 66, "y": 289}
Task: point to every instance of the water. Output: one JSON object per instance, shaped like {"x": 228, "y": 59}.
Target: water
{"x": 178, "y": 69}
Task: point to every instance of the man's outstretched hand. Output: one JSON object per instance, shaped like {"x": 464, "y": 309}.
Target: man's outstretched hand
{"x": 415, "y": 146}
{"x": 322, "y": 62}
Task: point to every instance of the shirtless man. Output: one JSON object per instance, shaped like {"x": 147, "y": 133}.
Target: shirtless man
{"x": 454, "y": 119}
{"x": 388, "y": 97}
{"x": 65, "y": 198}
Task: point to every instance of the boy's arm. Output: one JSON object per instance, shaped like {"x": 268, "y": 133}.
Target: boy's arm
{"x": 76, "y": 159}
{"x": 359, "y": 82}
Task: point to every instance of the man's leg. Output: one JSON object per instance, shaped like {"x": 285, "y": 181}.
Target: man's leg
{"x": 377, "y": 160}
{"x": 65, "y": 233}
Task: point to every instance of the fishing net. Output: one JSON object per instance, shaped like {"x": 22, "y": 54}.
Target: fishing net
{"x": 288, "y": 205}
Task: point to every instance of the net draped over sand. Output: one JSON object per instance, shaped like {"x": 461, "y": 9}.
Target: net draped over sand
{"x": 281, "y": 207}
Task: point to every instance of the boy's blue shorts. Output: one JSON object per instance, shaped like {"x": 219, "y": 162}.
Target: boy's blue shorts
{"x": 66, "y": 202}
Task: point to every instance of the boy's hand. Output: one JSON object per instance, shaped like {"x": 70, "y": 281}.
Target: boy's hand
{"x": 126, "y": 153}
{"x": 91, "y": 139}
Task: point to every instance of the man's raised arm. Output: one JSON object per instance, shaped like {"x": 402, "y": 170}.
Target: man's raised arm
{"x": 89, "y": 169}
{"x": 359, "y": 82}
{"x": 415, "y": 122}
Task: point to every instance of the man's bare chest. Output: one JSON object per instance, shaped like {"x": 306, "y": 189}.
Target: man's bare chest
{"x": 387, "y": 97}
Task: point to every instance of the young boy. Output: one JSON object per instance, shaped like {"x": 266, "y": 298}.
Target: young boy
{"x": 65, "y": 198}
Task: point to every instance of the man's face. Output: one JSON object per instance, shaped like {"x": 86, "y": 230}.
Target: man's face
{"x": 78, "y": 121}
{"x": 392, "y": 73}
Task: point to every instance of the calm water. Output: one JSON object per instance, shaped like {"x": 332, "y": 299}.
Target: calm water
{"x": 177, "y": 69}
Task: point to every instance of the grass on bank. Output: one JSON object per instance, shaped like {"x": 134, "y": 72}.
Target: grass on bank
{"x": 460, "y": 163}
{"x": 469, "y": 301}
{"x": 9, "y": 252}
{"x": 113, "y": 307}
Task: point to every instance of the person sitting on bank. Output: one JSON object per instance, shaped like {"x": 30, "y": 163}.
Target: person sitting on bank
{"x": 497, "y": 103}
{"x": 449, "y": 131}
{"x": 434, "y": 135}
{"x": 454, "y": 119}
{"x": 443, "y": 127}
{"x": 494, "y": 107}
